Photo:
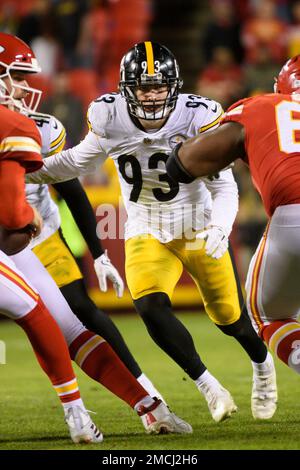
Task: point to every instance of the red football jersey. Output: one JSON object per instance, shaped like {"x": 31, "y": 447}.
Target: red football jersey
{"x": 20, "y": 139}
{"x": 272, "y": 143}
{"x": 20, "y": 153}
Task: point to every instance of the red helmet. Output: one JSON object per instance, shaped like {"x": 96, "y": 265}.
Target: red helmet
{"x": 288, "y": 80}
{"x": 15, "y": 55}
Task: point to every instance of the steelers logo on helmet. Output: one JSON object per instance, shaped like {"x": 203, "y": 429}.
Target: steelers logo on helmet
{"x": 146, "y": 66}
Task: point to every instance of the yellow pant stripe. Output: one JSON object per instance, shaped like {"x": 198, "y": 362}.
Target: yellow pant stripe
{"x": 150, "y": 58}
{"x": 87, "y": 348}
{"x": 254, "y": 284}
{"x": 281, "y": 333}
{"x": 14, "y": 277}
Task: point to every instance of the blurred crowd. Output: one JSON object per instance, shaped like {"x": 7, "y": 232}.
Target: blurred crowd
{"x": 244, "y": 45}
{"x": 79, "y": 43}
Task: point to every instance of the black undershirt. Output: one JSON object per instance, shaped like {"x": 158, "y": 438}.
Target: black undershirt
{"x": 80, "y": 207}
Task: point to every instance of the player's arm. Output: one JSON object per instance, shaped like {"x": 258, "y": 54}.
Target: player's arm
{"x": 20, "y": 153}
{"x": 63, "y": 166}
{"x": 80, "y": 207}
{"x": 221, "y": 184}
{"x": 207, "y": 153}
{"x": 224, "y": 194}
{"x": 82, "y": 159}
{"x": 15, "y": 212}
{"x": 78, "y": 203}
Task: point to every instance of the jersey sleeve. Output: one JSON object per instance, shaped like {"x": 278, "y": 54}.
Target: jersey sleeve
{"x": 82, "y": 159}
{"x": 98, "y": 115}
{"x": 235, "y": 111}
{"x": 21, "y": 142}
{"x": 57, "y": 136}
{"x": 224, "y": 194}
{"x": 208, "y": 116}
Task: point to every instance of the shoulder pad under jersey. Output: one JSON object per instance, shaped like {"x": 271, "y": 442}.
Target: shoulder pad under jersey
{"x": 211, "y": 117}
{"x": 100, "y": 112}
{"x": 52, "y": 131}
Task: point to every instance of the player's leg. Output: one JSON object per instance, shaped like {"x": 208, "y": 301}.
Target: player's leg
{"x": 218, "y": 283}
{"x": 55, "y": 255}
{"x": 20, "y": 301}
{"x": 93, "y": 354}
{"x": 152, "y": 272}
{"x": 273, "y": 294}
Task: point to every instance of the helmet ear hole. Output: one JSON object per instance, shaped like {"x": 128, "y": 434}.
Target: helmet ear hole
{"x": 149, "y": 63}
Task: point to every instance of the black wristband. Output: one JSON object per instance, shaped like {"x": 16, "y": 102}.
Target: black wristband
{"x": 176, "y": 170}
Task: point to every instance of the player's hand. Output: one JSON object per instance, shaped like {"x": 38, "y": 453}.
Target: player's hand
{"x": 106, "y": 270}
{"x": 216, "y": 240}
{"x": 37, "y": 223}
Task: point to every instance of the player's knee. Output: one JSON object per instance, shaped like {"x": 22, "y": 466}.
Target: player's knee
{"x": 78, "y": 301}
{"x": 239, "y": 328}
{"x": 153, "y": 306}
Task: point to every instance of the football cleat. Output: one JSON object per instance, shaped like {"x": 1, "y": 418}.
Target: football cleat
{"x": 264, "y": 392}
{"x": 220, "y": 403}
{"x": 158, "y": 419}
{"x": 81, "y": 427}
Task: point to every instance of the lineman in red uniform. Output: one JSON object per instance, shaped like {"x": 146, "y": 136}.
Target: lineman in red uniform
{"x": 265, "y": 132}
{"x": 20, "y": 146}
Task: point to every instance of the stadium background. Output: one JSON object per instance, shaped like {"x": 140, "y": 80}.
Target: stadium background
{"x": 226, "y": 49}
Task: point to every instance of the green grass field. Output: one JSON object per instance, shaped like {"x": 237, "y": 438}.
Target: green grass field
{"x": 31, "y": 417}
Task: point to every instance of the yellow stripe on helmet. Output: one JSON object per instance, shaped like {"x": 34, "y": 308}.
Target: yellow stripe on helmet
{"x": 149, "y": 57}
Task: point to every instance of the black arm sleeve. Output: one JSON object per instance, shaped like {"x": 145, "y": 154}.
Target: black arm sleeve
{"x": 175, "y": 169}
{"x": 80, "y": 207}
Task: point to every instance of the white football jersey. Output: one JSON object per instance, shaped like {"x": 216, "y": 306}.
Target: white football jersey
{"x": 155, "y": 204}
{"x": 53, "y": 138}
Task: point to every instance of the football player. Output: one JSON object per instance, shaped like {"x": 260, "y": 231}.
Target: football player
{"x": 90, "y": 351}
{"x": 20, "y": 146}
{"x": 170, "y": 225}
{"x": 265, "y": 132}
{"x": 50, "y": 246}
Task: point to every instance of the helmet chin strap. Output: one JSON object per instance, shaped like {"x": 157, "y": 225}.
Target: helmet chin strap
{"x": 6, "y": 97}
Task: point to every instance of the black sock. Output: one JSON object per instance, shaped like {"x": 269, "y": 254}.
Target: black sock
{"x": 99, "y": 322}
{"x": 169, "y": 333}
{"x": 243, "y": 331}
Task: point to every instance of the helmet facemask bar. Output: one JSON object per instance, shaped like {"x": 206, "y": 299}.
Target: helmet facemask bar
{"x": 33, "y": 95}
{"x": 159, "y": 109}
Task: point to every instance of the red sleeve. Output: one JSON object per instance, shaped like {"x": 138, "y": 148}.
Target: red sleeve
{"x": 20, "y": 141}
{"x": 235, "y": 111}
{"x": 15, "y": 212}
